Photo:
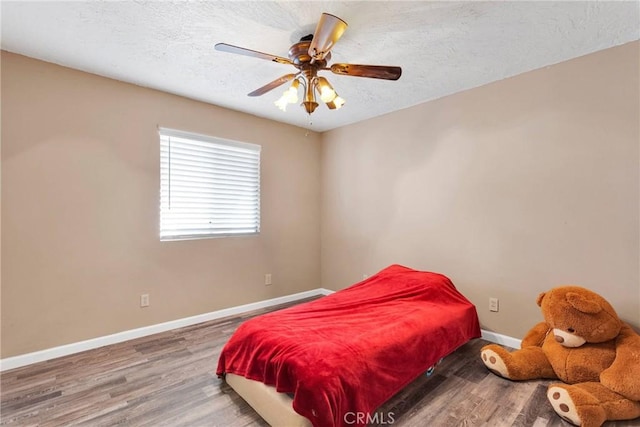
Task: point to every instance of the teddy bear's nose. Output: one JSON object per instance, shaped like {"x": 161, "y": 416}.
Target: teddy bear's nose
{"x": 559, "y": 339}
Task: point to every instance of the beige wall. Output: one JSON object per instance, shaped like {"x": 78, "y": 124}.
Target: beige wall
{"x": 509, "y": 189}
{"x": 80, "y": 183}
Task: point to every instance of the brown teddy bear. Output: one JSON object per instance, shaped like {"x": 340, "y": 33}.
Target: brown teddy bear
{"x": 583, "y": 343}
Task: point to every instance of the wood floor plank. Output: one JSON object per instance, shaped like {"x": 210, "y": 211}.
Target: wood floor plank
{"x": 168, "y": 379}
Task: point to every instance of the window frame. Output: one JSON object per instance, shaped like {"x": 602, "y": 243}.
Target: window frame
{"x": 213, "y": 144}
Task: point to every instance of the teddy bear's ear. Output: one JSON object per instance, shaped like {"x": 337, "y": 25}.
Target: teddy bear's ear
{"x": 583, "y": 304}
{"x": 539, "y": 299}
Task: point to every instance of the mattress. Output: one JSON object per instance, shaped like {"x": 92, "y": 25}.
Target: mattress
{"x": 275, "y": 408}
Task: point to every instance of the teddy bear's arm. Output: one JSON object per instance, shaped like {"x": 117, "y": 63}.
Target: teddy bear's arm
{"x": 623, "y": 376}
{"x": 536, "y": 335}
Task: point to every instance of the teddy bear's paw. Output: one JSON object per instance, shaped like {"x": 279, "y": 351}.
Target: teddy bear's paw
{"x": 494, "y": 362}
{"x": 576, "y": 406}
{"x": 563, "y": 404}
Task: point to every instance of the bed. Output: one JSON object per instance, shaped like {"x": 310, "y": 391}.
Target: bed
{"x": 332, "y": 361}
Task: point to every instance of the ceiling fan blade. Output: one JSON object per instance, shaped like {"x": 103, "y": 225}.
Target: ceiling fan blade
{"x": 274, "y": 84}
{"x": 223, "y": 47}
{"x": 328, "y": 31}
{"x": 372, "y": 71}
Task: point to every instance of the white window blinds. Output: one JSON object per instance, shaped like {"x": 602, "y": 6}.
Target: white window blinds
{"x": 209, "y": 187}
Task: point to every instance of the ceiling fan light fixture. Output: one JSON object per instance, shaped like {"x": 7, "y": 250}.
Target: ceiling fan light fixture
{"x": 282, "y": 102}
{"x": 336, "y": 104}
{"x": 327, "y": 93}
{"x": 292, "y": 92}
{"x": 290, "y": 96}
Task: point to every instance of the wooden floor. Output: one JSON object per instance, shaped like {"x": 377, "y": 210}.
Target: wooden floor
{"x": 168, "y": 379}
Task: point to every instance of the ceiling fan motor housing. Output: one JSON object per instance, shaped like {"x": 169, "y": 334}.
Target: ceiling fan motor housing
{"x": 299, "y": 54}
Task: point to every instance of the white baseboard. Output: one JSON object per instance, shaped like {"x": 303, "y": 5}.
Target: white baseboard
{"x": 65, "y": 350}
{"x": 501, "y": 339}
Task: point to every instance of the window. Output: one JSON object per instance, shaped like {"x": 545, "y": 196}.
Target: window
{"x": 209, "y": 187}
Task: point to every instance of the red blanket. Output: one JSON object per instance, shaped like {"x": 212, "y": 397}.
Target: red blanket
{"x": 349, "y": 352}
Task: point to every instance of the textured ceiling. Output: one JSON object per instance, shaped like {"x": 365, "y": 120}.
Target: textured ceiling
{"x": 442, "y": 47}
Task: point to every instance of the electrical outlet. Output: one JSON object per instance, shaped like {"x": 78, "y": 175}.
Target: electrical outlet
{"x": 144, "y": 300}
{"x": 493, "y": 304}
{"x": 267, "y": 279}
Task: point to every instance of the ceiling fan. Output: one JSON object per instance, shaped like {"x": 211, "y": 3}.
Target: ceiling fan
{"x": 311, "y": 55}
